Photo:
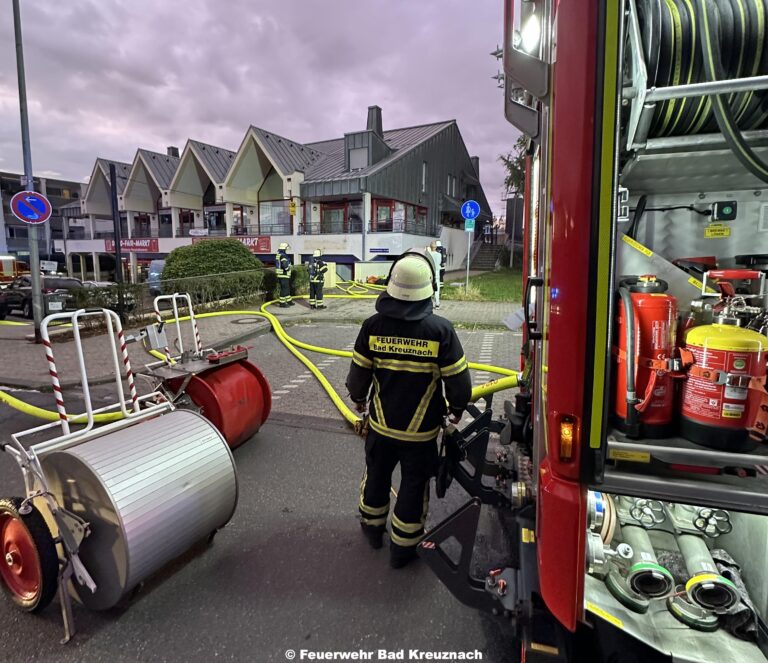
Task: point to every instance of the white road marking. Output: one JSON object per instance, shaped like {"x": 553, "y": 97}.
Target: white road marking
{"x": 281, "y": 392}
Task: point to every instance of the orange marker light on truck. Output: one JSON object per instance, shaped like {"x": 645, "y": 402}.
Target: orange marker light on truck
{"x": 569, "y": 432}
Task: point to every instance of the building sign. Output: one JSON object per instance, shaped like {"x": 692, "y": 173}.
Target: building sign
{"x": 137, "y": 245}
{"x": 292, "y": 208}
{"x": 255, "y": 244}
{"x": 198, "y": 232}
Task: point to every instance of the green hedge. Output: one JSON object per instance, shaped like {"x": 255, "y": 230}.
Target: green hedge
{"x": 213, "y": 269}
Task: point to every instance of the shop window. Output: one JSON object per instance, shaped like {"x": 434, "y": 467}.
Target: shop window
{"x": 275, "y": 217}
{"x": 332, "y": 218}
{"x": 398, "y": 218}
{"x": 355, "y": 216}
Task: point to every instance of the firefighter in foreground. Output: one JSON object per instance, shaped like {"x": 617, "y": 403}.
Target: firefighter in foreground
{"x": 406, "y": 363}
{"x": 283, "y": 268}
{"x": 317, "y": 270}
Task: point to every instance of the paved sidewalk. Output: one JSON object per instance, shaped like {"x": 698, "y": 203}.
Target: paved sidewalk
{"x": 23, "y": 364}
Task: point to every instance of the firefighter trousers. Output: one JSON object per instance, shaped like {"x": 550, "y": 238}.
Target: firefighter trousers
{"x": 284, "y": 283}
{"x": 418, "y": 462}
{"x": 315, "y": 293}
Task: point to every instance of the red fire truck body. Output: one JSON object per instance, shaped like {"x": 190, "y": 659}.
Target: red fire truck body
{"x": 628, "y": 508}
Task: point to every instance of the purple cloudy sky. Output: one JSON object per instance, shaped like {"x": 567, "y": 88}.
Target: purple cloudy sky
{"x": 105, "y": 78}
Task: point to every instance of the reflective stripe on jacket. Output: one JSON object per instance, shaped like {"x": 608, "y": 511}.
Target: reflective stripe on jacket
{"x": 410, "y": 368}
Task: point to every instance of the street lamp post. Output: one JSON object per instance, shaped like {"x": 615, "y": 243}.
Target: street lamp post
{"x": 34, "y": 255}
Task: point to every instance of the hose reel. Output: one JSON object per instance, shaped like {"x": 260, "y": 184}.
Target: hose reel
{"x": 672, "y": 32}
{"x": 697, "y": 41}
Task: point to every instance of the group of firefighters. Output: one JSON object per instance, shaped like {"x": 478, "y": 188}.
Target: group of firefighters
{"x": 408, "y": 373}
{"x": 318, "y": 268}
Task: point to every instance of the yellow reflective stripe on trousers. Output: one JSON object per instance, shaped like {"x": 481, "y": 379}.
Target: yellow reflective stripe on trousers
{"x": 455, "y": 368}
{"x": 408, "y": 528}
{"x": 418, "y": 416}
{"x": 373, "y": 511}
{"x": 405, "y": 436}
{"x": 403, "y": 542}
{"x": 405, "y": 365}
{"x": 374, "y": 522}
{"x": 361, "y": 361}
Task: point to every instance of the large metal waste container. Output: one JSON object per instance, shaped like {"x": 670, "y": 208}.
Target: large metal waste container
{"x": 149, "y": 492}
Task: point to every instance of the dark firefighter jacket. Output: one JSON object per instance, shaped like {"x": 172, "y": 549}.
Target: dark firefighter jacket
{"x": 283, "y": 266}
{"x": 409, "y": 356}
{"x": 317, "y": 270}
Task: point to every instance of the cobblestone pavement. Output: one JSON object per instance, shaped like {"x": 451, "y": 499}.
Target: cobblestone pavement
{"x": 23, "y": 365}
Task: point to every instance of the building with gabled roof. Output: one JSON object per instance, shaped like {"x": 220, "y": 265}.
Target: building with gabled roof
{"x": 367, "y": 195}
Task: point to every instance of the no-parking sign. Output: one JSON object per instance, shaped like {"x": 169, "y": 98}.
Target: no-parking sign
{"x": 31, "y": 207}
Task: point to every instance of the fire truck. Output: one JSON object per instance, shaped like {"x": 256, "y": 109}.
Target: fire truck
{"x": 628, "y": 481}
{"x": 10, "y": 268}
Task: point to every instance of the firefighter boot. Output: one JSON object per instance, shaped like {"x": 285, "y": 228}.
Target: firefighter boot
{"x": 400, "y": 556}
{"x": 374, "y": 534}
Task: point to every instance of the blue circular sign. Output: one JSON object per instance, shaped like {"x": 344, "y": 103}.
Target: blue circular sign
{"x": 470, "y": 209}
{"x": 31, "y": 207}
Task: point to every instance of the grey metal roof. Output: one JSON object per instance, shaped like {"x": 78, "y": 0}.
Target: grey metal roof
{"x": 399, "y": 140}
{"x": 162, "y": 167}
{"x": 287, "y": 155}
{"x": 216, "y": 160}
{"x": 328, "y": 146}
{"x": 122, "y": 170}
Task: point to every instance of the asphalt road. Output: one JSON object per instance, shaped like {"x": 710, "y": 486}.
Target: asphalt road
{"x": 291, "y": 571}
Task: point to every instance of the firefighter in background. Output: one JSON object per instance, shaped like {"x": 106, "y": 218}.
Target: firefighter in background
{"x": 443, "y": 261}
{"x": 317, "y": 270}
{"x": 406, "y": 364}
{"x": 434, "y": 255}
{"x": 283, "y": 268}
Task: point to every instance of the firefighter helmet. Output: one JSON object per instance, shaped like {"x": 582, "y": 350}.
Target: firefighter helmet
{"x": 283, "y": 246}
{"x": 317, "y": 253}
{"x": 412, "y": 278}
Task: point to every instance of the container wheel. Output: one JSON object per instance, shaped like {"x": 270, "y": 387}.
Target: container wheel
{"x": 29, "y": 567}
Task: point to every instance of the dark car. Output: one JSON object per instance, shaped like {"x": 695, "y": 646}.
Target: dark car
{"x": 57, "y": 295}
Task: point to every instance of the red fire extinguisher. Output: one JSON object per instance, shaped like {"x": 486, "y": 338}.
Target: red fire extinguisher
{"x": 645, "y": 346}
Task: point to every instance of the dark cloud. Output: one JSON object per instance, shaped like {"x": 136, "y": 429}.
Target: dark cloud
{"x": 107, "y": 77}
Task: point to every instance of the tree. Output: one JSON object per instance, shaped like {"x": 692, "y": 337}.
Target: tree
{"x": 213, "y": 269}
{"x": 514, "y": 167}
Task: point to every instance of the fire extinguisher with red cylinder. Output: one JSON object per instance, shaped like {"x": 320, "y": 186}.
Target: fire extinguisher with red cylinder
{"x": 723, "y": 398}
{"x": 645, "y": 346}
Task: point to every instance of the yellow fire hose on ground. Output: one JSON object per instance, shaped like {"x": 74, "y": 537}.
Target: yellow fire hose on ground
{"x": 509, "y": 381}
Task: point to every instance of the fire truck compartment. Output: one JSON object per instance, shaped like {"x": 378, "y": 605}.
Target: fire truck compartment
{"x": 651, "y": 620}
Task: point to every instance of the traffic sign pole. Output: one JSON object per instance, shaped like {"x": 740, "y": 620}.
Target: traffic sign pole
{"x": 470, "y": 210}
{"x": 469, "y": 252}
{"x": 34, "y": 255}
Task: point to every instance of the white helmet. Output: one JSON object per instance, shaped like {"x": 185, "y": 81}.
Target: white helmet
{"x": 411, "y": 278}
{"x": 316, "y": 253}
{"x": 283, "y": 246}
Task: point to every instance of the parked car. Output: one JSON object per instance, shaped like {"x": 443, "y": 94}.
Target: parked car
{"x": 57, "y": 295}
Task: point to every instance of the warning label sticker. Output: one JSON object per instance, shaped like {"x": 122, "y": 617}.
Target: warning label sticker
{"x": 717, "y": 231}
{"x": 637, "y": 246}
{"x": 398, "y": 345}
